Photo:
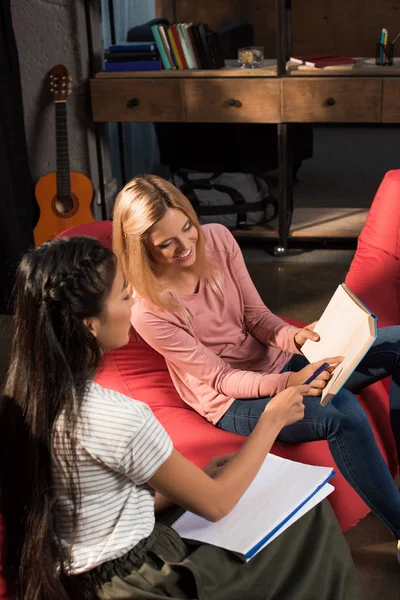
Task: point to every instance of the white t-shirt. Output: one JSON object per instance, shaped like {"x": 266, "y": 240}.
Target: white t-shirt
{"x": 120, "y": 447}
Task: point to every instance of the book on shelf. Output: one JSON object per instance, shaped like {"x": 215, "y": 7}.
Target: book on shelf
{"x": 166, "y": 59}
{"x": 179, "y": 48}
{"x": 185, "y": 46}
{"x": 188, "y": 46}
{"x": 188, "y": 27}
{"x": 281, "y": 493}
{"x": 174, "y": 48}
{"x": 187, "y": 30}
{"x": 134, "y": 65}
{"x": 310, "y": 57}
{"x": 167, "y": 46}
{"x": 320, "y": 61}
{"x": 204, "y": 30}
{"x": 346, "y": 328}
{"x": 199, "y": 45}
{"x": 149, "y": 46}
{"x": 130, "y": 56}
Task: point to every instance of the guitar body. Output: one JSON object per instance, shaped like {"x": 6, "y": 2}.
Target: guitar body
{"x": 64, "y": 197}
{"x": 55, "y": 216}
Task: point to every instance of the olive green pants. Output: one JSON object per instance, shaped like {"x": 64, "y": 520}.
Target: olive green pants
{"x": 309, "y": 561}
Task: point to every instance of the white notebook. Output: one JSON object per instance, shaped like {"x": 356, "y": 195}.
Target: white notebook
{"x": 346, "y": 328}
{"x": 281, "y": 493}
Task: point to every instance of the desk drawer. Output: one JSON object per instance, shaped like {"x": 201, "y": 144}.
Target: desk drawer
{"x": 233, "y": 100}
{"x": 391, "y": 100}
{"x": 334, "y": 100}
{"x": 135, "y": 99}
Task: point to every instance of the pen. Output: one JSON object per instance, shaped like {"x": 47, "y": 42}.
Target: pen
{"x": 316, "y": 373}
{"x": 383, "y": 35}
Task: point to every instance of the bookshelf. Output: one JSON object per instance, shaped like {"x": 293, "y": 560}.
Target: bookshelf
{"x": 279, "y": 93}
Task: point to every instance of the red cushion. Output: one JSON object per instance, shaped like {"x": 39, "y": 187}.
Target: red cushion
{"x": 102, "y": 230}
{"x": 374, "y": 271}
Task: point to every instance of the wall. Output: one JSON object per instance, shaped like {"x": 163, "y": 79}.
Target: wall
{"x": 344, "y": 26}
{"x": 49, "y": 32}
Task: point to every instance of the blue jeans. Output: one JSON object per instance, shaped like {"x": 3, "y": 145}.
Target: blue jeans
{"x": 345, "y": 426}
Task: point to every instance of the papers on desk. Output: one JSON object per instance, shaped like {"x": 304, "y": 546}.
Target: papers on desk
{"x": 281, "y": 493}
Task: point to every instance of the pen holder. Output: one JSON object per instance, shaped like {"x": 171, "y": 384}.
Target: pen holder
{"x": 384, "y": 54}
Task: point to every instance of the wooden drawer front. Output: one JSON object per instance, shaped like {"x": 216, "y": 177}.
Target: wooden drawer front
{"x": 136, "y": 100}
{"x": 232, "y": 100}
{"x": 391, "y": 101}
{"x": 336, "y": 100}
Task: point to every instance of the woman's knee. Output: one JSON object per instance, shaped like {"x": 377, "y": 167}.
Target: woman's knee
{"x": 346, "y": 413}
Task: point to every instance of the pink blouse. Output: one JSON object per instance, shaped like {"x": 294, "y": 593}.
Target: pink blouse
{"x": 229, "y": 348}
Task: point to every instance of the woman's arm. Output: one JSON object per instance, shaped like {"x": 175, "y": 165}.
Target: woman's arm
{"x": 266, "y": 327}
{"x": 217, "y": 463}
{"x": 213, "y": 498}
{"x": 171, "y": 338}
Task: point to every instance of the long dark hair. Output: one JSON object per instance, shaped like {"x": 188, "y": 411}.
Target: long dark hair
{"x": 53, "y": 355}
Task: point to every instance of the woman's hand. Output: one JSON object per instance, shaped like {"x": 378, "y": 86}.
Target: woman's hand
{"x": 287, "y": 406}
{"x": 307, "y": 333}
{"x": 318, "y": 384}
{"x": 217, "y": 463}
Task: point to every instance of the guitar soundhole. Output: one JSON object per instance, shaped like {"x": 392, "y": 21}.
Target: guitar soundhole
{"x": 65, "y": 208}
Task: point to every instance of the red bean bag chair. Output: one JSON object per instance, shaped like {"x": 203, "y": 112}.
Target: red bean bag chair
{"x": 138, "y": 371}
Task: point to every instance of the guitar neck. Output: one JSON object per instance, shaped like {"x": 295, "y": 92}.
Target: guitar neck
{"x": 63, "y": 172}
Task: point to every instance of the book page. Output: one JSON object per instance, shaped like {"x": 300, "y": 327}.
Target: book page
{"x": 355, "y": 352}
{"x": 281, "y": 491}
{"x": 340, "y": 328}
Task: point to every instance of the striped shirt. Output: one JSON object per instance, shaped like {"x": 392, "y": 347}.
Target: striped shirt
{"x": 120, "y": 446}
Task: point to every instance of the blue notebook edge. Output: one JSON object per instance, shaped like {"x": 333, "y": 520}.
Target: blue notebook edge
{"x": 265, "y": 539}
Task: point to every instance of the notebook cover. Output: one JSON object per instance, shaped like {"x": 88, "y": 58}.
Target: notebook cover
{"x": 160, "y": 45}
{"x": 137, "y": 65}
{"x": 133, "y": 47}
{"x": 178, "y": 43}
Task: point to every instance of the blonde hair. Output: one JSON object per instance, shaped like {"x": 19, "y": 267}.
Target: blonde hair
{"x": 140, "y": 204}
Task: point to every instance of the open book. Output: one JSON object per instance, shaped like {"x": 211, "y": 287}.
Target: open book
{"x": 281, "y": 493}
{"x": 346, "y": 328}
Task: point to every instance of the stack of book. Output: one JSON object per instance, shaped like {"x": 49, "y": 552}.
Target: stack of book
{"x": 188, "y": 46}
{"x": 133, "y": 56}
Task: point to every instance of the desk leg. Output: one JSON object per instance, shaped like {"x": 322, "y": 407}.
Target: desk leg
{"x": 285, "y": 186}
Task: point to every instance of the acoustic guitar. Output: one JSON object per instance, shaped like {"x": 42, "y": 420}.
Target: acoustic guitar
{"x": 64, "y": 197}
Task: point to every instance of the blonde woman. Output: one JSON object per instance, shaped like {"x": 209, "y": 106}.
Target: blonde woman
{"x": 227, "y": 354}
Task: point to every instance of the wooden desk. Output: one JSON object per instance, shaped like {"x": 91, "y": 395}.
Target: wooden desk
{"x": 362, "y": 94}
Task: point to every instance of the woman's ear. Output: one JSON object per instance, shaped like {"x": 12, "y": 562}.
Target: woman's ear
{"x": 92, "y": 324}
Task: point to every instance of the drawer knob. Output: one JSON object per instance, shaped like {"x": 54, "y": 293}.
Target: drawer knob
{"x": 133, "y": 102}
{"x": 331, "y": 101}
{"x": 231, "y": 102}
